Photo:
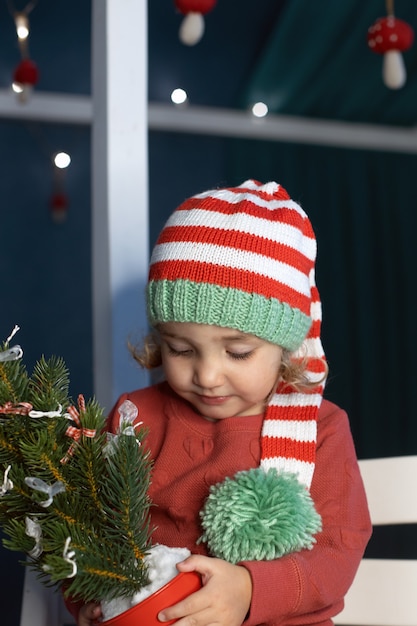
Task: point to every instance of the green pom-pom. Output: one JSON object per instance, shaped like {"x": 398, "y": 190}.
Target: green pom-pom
{"x": 259, "y": 515}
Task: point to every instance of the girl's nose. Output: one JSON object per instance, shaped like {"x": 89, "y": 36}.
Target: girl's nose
{"x": 208, "y": 373}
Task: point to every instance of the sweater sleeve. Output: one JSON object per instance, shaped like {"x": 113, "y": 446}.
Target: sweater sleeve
{"x": 308, "y": 587}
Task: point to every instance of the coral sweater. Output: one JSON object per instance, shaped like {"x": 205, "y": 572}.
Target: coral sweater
{"x": 191, "y": 453}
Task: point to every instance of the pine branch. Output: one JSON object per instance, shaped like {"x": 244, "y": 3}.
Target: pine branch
{"x": 13, "y": 381}
{"x": 49, "y": 384}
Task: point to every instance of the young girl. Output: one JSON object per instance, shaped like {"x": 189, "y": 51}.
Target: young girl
{"x": 253, "y": 471}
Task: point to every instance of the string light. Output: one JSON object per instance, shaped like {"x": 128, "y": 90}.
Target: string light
{"x": 179, "y": 96}
{"x": 22, "y": 25}
{"x": 260, "y": 109}
{"x": 21, "y": 20}
{"x": 17, "y": 88}
{"x": 62, "y": 160}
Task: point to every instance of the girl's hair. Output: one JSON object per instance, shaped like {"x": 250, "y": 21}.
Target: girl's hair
{"x": 292, "y": 371}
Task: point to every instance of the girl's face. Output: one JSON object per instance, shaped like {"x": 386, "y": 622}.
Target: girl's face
{"x": 220, "y": 371}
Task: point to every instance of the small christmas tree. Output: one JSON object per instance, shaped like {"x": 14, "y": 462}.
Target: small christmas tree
{"x": 73, "y": 498}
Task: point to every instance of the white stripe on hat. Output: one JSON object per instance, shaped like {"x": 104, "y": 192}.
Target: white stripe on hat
{"x": 298, "y": 430}
{"x": 236, "y": 196}
{"x": 302, "y": 469}
{"x": 302, "y": 399}
{"x": 287, "y": 235}
{"x": 271, "y": 187}
{"x": 311, "y": 347}
{"x": 315, "y": 377}
{"x": 315, "y": 311}
{"x": 234, "y": 259}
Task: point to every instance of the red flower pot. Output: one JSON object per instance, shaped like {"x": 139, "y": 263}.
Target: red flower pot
{"x": 146, "y": 612}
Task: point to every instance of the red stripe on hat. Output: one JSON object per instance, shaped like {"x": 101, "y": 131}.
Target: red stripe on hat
{"x": 238, "y": 241}
{"x": 249, "y": 282}
{"x": 315, "y": 296}
{"x": 318, "y": 365}
{"x": 284, "y": 214}
{"x": 292, "y": 413}
{"x": 288, "y": 448}
{"x": 314, "y": 329}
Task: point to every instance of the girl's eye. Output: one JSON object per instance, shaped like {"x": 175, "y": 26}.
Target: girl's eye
{"x": 240, "y": 356}
{"x": 174, "y": 352}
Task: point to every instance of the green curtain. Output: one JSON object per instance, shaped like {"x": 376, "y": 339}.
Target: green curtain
{"x": 316, "y": 63}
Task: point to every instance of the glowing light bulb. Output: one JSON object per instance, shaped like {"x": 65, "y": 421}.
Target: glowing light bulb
{"x": 62, "y": 160}
{"x": 22, "y": 26}
{"x": 179, "y": 96}
{"x": 260, "y": 109}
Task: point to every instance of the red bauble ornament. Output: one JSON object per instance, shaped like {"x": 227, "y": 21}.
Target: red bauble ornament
{"x": 26, "y": 73}
{"x": 59, "y": 207}
{"x": 390, "y": 36}
{"x": 195, "y": 6}
{"x": 192, "y": 26}
{"x": 25, "y": 77}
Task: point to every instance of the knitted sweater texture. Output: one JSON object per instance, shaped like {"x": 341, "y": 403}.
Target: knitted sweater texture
{"x": 190, "y": 454}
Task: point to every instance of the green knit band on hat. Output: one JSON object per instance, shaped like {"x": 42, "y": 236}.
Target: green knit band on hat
{"x": 204, "y": 303}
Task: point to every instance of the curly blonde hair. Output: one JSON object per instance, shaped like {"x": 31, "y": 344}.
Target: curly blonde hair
{"x": 292, "y": 370}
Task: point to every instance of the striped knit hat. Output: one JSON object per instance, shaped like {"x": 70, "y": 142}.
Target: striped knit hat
{"x": 244, "y": 258}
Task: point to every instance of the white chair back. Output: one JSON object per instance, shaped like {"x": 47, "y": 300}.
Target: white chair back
{"x": 384, "y": 592}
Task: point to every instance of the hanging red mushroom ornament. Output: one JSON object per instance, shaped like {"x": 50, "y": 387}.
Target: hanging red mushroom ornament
{"x": 25, "y": 77}
{"x": 390, "y": 36}
{"x": 192, "y": 26}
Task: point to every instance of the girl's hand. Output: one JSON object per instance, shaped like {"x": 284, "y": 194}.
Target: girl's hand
{"x": 224, "y": 598}
{"x": 88, "y": 614}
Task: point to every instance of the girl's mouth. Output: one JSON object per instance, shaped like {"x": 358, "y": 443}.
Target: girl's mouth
{"x": 213, "y": 400}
